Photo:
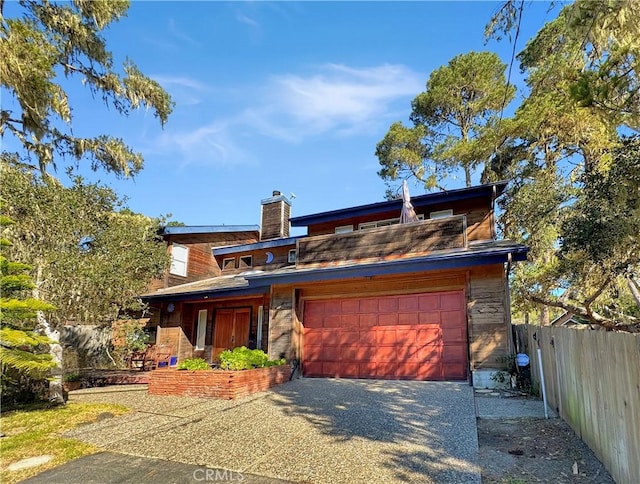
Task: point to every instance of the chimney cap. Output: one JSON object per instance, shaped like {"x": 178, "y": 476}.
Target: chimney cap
{"x": 276, "y": 197}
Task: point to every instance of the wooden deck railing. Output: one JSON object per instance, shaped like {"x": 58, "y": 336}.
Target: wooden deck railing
{"x": 384, "y": 243}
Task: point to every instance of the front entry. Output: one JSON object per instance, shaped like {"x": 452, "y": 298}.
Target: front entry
{"x": 231, "y": 329}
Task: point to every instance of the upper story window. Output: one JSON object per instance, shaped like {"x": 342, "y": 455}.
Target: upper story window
{"x": 179, "y": 258}
{"x": 383, "y": 223}
{"x": 344, "y": 229}
{"x": 291, "y": 258}
{"x": 229, "y": 263}
{"x": 245, "y": 262}
{"x": 441, "y": 214}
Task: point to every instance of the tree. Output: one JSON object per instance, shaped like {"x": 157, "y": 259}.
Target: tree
{"x": 567, "y": 157}
{"x": 52, "y": 39}
{"x": 91, "y": 257}
{"x": 462, "y": 101}
{"x": 604, "y": 36}
{"x": 22, "y": 350}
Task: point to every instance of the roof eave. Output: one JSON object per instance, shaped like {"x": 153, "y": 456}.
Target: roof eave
{"x": 251, "y": 290}
{"x": 429, "y": 263}
{"x": 418, "y": 201}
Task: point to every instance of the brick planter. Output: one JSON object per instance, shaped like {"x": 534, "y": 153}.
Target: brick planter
{"x": 217, "y": 383}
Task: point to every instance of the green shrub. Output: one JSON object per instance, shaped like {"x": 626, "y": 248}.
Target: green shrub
{"x": 193, "y": 364}
{"x": 69, "y": 377}
{"x": 242, "y": 358}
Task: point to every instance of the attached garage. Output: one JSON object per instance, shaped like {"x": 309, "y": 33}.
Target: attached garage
{"x": 415, "y": 337}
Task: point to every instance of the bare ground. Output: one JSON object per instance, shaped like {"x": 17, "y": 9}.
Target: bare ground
{"x": 532, "y": 450}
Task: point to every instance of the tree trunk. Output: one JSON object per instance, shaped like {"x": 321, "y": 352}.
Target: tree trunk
{"x": 635, "y": 289}
{"x": 544, "y": 316}
{"x": 56, "y": 393}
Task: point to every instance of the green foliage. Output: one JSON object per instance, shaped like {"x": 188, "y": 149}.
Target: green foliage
{"x": 71, "y": 377}
{"x": 49, "y": 43}
{"x": 193, "y": 364}
{"x": 453, "y": 120}
{"x": 21, "y": 349}
{"x": 242, "y": 358}
{"x": 574, "y": 191}
{"x": 38, "y": 430}
{"x": 94, "y": 282}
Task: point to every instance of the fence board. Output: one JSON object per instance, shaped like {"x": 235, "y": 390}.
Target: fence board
{"x": 592, "y": 379}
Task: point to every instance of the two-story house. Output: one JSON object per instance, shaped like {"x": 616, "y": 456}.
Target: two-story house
{"x": 358, "y": 296}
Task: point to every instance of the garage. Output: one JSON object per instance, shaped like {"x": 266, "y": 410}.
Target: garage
{"x": 414, "y": 337}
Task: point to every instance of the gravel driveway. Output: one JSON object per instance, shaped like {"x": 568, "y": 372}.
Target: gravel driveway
{"x": 308, "y": 430}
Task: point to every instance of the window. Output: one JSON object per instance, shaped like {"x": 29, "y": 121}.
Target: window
{"x": 383, "y": 223}
{"x": 259, "y": 329}
{"x": 179, "y": 257}
{"x": 202, "y": 329}
{"x": 378, "y": 223}
{"x": 344, "y": 229}
{"x": 229, "y": 263}
{"x": 291, "y": 259}
{"x": 441, "y": 214}
{"x": 246, "y": 261}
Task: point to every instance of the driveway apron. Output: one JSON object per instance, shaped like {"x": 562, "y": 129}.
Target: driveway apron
{"x": 308, "y": 430}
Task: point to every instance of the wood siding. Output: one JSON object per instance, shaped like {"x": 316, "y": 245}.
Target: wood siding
{"x": 396, "y": 241}
{"x": 488, "y": 332}
{"x": 480, "y": 218}
{"x": 201, "y": 264}
{"x": 178, "y": 341}
{"x": 259, "y": 259}
{"x": 484, "y": 289}
{"x": 281, "y": 327}
{"x": 185, "y": 316}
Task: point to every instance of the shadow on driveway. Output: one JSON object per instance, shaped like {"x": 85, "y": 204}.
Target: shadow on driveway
{"x": 415, "y": 431}
{"x": 308, "y": 430}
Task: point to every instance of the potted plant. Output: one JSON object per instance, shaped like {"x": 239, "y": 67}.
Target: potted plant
{"x": 72, "y": 382}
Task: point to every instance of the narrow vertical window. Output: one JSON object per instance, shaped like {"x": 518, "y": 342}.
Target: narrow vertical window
{"x": 259, "y": 329}
{"x": 202, "y": 329}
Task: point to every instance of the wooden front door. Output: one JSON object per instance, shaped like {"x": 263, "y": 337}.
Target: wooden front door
{"x": 231, "y": 329}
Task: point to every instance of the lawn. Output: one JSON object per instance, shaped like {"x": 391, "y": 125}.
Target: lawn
{"x": 37, "y": 431}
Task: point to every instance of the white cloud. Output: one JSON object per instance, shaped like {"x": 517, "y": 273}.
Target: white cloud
{"x": 243, "y": 19}
{"x": 337, "y": 98}
{"x": 175, "y": 32}
{"x": 333, "y": 100}
{"x": 185, "y": 91}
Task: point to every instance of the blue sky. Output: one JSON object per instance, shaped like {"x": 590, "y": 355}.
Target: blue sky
{"x": 277, "y": 95}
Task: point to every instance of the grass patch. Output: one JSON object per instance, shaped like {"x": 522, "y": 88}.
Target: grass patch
{"x": 34, "y": 431}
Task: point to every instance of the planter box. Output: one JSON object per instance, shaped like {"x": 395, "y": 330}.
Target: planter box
{"x": 217, "y": 383}
{"x": 70, "y": 386}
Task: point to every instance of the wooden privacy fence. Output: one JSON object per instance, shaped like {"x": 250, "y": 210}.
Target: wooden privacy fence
{"x": 592, "y": 379}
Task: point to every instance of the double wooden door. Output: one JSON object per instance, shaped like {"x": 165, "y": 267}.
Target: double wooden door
{"x": 231, "y": 329}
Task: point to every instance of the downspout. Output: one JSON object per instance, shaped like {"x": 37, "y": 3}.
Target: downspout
{"x": 508, "y": 305}
{"x": 494, "y": 195}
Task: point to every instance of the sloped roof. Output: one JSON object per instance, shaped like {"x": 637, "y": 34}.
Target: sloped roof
{"x": 208, "y": 229}
{"x": 486, "y": 190}
{"x": 258, "y": 282}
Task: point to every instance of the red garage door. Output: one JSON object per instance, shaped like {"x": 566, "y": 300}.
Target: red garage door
{"x": 416, "y": 337}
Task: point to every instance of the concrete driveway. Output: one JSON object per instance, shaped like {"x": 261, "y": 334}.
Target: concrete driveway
{"x": 308, "y": 430}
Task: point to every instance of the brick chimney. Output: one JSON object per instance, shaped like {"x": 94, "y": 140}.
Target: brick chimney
{"x": 274, "y": 222}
